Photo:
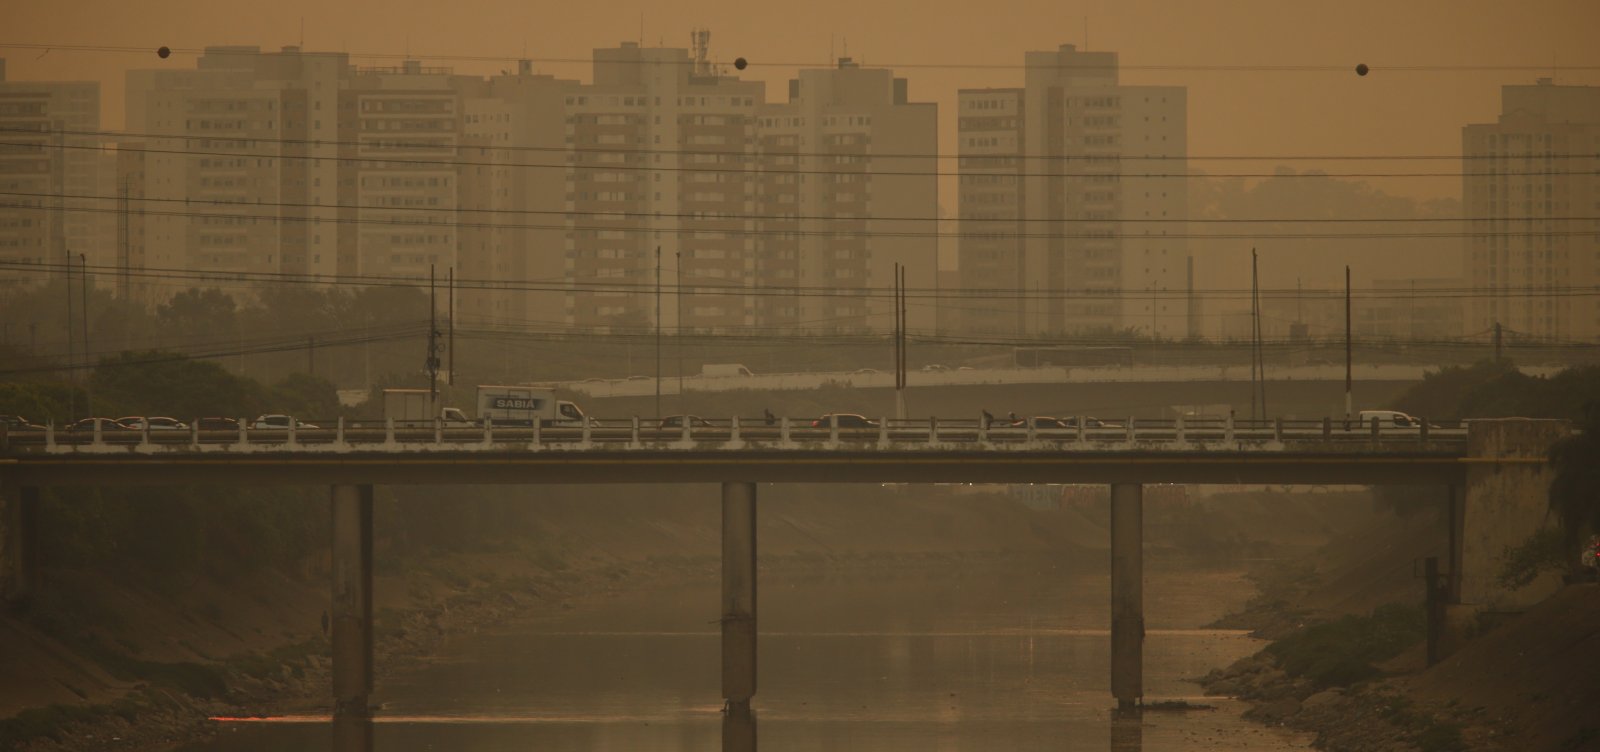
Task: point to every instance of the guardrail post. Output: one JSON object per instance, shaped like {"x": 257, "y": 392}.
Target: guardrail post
{"x": 783, "y": 430}
{"x": 338, "y": 432}
{"x": 1083, "y": 431}
{"x": 1227, "y": 430}
{"x": 933, "y": 429}
{"x": 50, "y": 436}
{"x": 585, "y": 433}
{"x": 538, "y": 440}
{"x": 1327, "y": 428}
{"x": 983, "y": 430}
{"x": 734, "y": 432}
{"x": 352, "y": 600}
{"x": 1178, "y": 429}
{"x": 1277, "y": 429}
{"x": 1131, "y": 432}
{"x": 488, "y": 431}
{"x": 1375, "y": 430}
{"x": 833, "y": 428}
{"x": 1033, "y": 430}
{"x": 95, "y": 436}
{"x": 633, "y": 441}
{"x": 1423, "y": 429}
{"x": 194, "y": 434}
{"x": 388, "y": 430}
{"x": 292, "y": 423}
{"x": 438, "y": 430}
{"x": 244, "y": 431}
{"x": 883, "y": 432}
{"x": 144, "y": 434}
{"x": 684, "y": 419}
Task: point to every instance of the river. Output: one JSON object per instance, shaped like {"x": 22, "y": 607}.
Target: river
{"x": 1013, "y": 659}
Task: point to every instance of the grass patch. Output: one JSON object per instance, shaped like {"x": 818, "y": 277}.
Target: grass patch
{"x": 1440, "y": 737}
{"x": 1342, "y": 652}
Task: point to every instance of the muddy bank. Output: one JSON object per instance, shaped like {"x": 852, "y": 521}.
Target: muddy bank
{"x": 1524, "y": 683}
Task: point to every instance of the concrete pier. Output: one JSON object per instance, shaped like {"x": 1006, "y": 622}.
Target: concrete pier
{"x": 1127, "y": 594}
{"x": 20, "y": 544}
{"x": 352, "y": 604}
{"x": 738, "y": 595}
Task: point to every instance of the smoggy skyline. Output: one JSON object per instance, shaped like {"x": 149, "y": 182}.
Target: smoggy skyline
{"x": 1264, "y": 78}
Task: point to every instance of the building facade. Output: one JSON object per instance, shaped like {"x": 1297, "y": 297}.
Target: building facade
{"x": 1071, "y": 221}
{"x": 52, "y": 170}
{"x": 1530, "y": 180}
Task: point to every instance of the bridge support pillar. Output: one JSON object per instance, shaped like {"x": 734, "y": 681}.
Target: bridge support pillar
{"x": 738, "y": 595}
{"x": 352, "y": 605}
{"x": 1456, "y": 518}
{"x": 20, "y": 546}
{"x": 1127, "y": 594}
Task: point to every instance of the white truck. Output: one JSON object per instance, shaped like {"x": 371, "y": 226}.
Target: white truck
{"x": 724, "y": 369}
{"x": 519, "y": 405}
{"x": 416, "y": 406}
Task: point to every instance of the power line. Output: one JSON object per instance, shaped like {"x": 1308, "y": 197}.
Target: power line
{"x": 797, "y": 233}
{"x": 654, "y": 151}
{"x": 643, "y": 215}
{"x": 922, "y": 293}
{"x": 687, "y": 61}
{"x": 759, "y": 168}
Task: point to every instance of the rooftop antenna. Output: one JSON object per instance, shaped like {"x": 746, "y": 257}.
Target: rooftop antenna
{"x": 1085, "y": 33}
{"x": 302, "y": 32}
{"x": 641, "y": 28}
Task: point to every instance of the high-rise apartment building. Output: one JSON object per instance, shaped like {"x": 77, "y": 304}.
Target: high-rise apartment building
{"x": 1068, "y": 221}
{"x": 50, "y": 174}
{"x": 1530, "y": 192}
{"x": 659, "y": 187}
{"x": 848, "y": 189}
{"x": 241, "y": 169}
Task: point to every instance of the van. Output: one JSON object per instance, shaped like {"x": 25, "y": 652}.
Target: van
{"x": 724, "y": 369}
{"x": 1389, "y": 420}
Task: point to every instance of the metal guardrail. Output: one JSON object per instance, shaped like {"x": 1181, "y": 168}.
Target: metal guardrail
{"x": 733, "y": 434}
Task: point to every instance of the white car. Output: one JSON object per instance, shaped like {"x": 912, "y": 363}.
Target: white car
{"x": 155, "y": 423}
{"x": 278, "y": 423}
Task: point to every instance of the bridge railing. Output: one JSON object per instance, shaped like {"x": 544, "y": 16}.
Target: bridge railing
{"x": 1070, "y": 433}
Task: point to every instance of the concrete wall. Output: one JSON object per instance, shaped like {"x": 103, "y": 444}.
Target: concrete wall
{"x": 1505, "y": 504}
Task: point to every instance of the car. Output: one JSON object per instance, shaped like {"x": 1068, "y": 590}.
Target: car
{"x": 1389, "y": 420}
{"x": 639, "y": 378}
{"x": 846, "y": 420}
{"x": 218, "y": 424}
{"x": 864, "y": 372}
{"x": 279, "y": 423}
{"x": 964, "y": 368}
{"x": 19, "y": 423}
{"x": 676, "y": 421}
{"x": 934, "y": 368}
{"x": 107, "y": 425}
{"x": 1046, "y": 422}
{"x": 137, "y": 423}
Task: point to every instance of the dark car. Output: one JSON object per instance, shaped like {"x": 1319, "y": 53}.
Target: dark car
{"x": 19, "y": 423}
{"x": 846, "y": 420}
{"x": 676, "y": 421}
{"x": 1046, "y": 422}
{"x": 87, "y": 425}
{"x": 138, "y": 423}
{"x": 217, "y": 424}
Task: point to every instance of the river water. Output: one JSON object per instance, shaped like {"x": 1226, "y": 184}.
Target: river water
{"x": 1011, "y": 659}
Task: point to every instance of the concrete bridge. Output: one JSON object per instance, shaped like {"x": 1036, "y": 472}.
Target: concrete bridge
{"x": 1495, "y": 470}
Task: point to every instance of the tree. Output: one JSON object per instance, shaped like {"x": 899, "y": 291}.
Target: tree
{"x": 1575, "y": 490}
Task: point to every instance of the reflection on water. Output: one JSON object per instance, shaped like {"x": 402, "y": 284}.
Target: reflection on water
{"x": 977, "y": 664}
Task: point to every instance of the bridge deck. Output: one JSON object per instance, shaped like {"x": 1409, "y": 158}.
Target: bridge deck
{"x": 638, "y": 451}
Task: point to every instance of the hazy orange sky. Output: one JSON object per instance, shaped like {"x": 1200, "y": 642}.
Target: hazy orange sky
{"x": 1272, "y": 110}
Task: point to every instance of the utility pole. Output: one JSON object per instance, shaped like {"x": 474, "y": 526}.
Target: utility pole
{"x": 433, "y": 342}
{"x": 658, "y": 331}
{"x": 88, "y": 381}
{"x": 450, "y": 344}
{"x": 1348, "y": 354}
{"x": 72, "y": 366}
{"x": 1255, "y": 336}
{"x": 677, "y": 297}
{"x": 124, "y": 244}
